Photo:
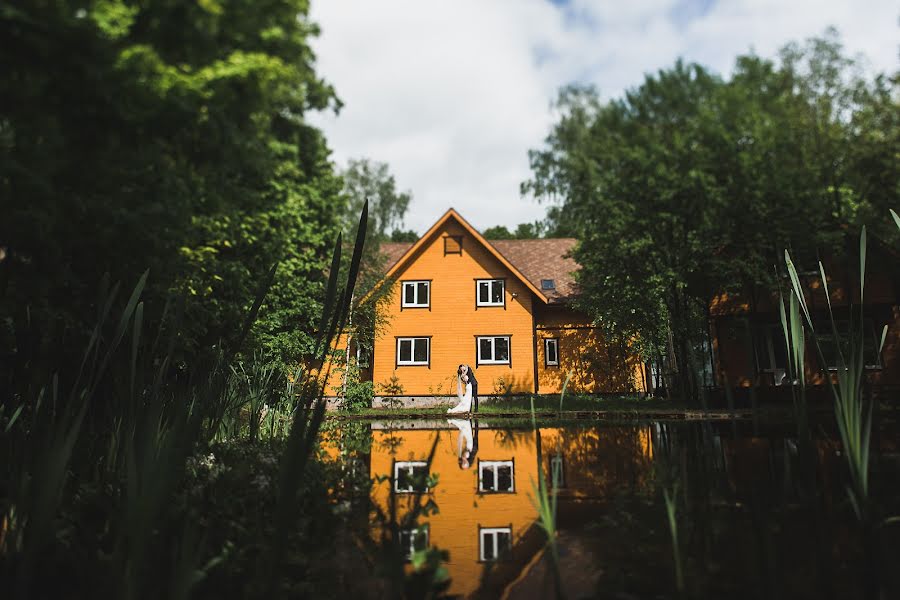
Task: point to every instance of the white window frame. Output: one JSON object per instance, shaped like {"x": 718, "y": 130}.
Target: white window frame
{"x": 493, "y": 338}
{"x": 492, "y": 533}
{"x": 547, "y": 343}
{"x": 413, "y": 532}
{"x": 417, "y": 302}
{"x": 409, "y": 466}
{"x": 558, "y": 462}
{"x": 413, "y": 362}
{"x": 494, "y": 466}
{"x": 490, "y": 287}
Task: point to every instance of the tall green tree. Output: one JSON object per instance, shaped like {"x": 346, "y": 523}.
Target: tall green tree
{"x": 365, "y": 179}
{"x": 164, "y": 135}
{"x": 692, "y": 184}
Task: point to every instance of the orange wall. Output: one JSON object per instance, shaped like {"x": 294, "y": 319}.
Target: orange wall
{"x": 453, "y": 322}
{"x": 594, "y": 366}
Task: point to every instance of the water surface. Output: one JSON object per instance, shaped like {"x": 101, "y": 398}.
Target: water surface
{"x": 754, "y": 519}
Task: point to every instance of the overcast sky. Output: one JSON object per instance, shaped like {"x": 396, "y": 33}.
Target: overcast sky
{"x": 453, "y": 94}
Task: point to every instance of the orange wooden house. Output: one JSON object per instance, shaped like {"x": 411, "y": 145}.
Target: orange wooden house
{"x": 503, "y": 307}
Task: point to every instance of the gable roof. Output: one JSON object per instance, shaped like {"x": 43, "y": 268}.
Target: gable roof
{"x": 452, "y": 214}
{"x": 530, "y": 260}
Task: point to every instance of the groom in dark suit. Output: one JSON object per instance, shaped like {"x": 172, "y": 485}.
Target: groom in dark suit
{"x": 467, "y": 370}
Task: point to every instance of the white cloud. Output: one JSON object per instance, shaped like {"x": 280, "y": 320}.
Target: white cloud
{"x": 452, "y": 95}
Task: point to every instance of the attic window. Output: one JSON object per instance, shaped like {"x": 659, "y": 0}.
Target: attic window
{"x": 453, "y": 244}
{"x": 548, "y": 284}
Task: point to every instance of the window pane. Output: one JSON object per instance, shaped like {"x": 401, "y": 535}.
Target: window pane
{"x": 421, "y": 353}
{"x": 421, "y": 541}
{"x": 483, "y": 291}
{"x": 497, "y": 292}
{"x": 779, "y": 349}
{"x": 487, "y": 545}
{"x": 504, "y": 479}
{"x": 487, "y": 478}
{"x": 409, "y": 293}
{"x": 829, "y": 350}
{"x": 406, "y": 542}
{"x": 484, "y": 349}
{"x": 501, "y": 349}
{"x": 404, "y": 479}
{"x": 405, "y": 350}
{"x": 423, "y": 292}
{"x": 503, "y": 544}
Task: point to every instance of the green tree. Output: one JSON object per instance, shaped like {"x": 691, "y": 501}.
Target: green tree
{"x": 523, "y": 231}
{"x": 691, "y": 185}
{"x": 365, "y": 179}
{"x": 399, "y": 235}
{"x": 498, "y": 232}
{"x": 168, "y": 136}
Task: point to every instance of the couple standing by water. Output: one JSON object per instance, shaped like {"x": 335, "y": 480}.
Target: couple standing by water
{"x": 466, "y": 391}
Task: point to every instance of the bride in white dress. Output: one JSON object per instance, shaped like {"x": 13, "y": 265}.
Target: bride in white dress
{"x": 464, "y": 393}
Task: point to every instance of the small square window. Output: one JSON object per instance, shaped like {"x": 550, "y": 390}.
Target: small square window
{"x": 548, "y": 284}
{"x": 494, "y": 543}
{"x": 551, "y": 352}
{"x": 493, "y": 350}
{"x": 453, "y": 244}
{"x": 411, "y": 476}
{"x": 416, "y": 294}
{"x": 490, "y": 292}
{"x": 413, "y": 540}
{"x": 413, "y": 351}
{"x": 496, "y": 476}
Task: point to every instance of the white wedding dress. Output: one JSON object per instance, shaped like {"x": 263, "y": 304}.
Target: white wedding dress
{"x": 465, "y": 402}
{"x": 466, "y": 442}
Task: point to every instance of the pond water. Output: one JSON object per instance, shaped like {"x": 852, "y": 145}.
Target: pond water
{"x": 754, "y": 519}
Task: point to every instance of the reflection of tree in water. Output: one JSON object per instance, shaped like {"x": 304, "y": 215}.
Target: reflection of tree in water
{"x": 599, "y": 460}
{"x": 513, "y": 439}
{"x": 391, "y": 442}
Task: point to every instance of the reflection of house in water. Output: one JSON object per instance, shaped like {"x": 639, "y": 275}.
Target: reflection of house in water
{"x": 486, "y": 511}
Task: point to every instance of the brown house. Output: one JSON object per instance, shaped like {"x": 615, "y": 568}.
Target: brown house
{"x": 748, "y": 342}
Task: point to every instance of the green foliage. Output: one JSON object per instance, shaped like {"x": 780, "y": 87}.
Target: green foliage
{"x": 398, "y": 235}
{"x": 691, "y": 184}
{"x": 354, "y": 393}
{"x": 372, "y": 182}
{"x": 524, "y": 231}
{"x": 391, "y": 387}
{"x": 119, "y": 480}
{"x": 145, "y": 135}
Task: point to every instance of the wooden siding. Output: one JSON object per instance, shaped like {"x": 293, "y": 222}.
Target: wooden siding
{"x": 738, "y": 321}
{"x": 594, "y": 366}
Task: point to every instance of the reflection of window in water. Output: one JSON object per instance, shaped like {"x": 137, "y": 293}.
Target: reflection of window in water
{"x": 494, "y": 542}
{"x": 410, "y": 476}
{"x": 413, "y": 540}
{"x": 557, "y": 471}
{"x": 496, "y": 476}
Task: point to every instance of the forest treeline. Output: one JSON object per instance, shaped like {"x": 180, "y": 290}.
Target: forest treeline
{"x": 692, "y": 184}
